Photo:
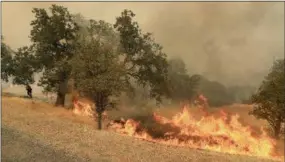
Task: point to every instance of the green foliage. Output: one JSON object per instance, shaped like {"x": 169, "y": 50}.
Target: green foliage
{"x": 23, "y": 66}
{"x": 6, "y": 61}
{"x": 53, "y": 38}
{"x": 269, "y": 98}
{"x": 96, "y": 69}
{"x": 143, "y": 58}
{"x": 182, "y": 86}
{"x": 53, "y": 34}
{"x": 96, "y": 66}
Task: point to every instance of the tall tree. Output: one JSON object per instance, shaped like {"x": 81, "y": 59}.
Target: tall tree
{"x": 270, "y": 98}
{"x": 53, "y": 34}
{"x": 6, "y": 61}
{"x": 96, "y": 68}
{"x": 142, "y": 56}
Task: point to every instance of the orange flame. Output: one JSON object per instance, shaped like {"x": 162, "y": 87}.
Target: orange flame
{"x": 85, "y": 109}
{"x": 223, "y": 134}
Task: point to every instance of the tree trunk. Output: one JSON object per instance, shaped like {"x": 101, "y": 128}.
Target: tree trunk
{"x": 100, "y": 101}
{"x": 60, "y": 99}
{"x": 277, "y": 129}
{"x": 99, "y": 120}
{"x": 62, "y": 89}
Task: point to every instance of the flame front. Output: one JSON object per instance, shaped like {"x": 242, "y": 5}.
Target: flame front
{"x": 223, "y": 134}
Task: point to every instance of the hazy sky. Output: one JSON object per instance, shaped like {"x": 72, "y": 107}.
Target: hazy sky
{"x": 234, "y": 43}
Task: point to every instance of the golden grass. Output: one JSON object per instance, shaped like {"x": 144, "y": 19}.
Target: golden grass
{"x": 53, "y": 125}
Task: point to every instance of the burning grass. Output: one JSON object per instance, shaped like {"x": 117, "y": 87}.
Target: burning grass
{"x": 223, "y": 133}
{"x": 219, "y": 132}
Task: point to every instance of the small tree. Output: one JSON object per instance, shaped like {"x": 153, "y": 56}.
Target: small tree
{"x": 96, "y": 70}
{"x": 269, "y": 98}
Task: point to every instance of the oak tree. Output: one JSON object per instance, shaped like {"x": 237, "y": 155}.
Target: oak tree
{"x": 96, "y": 69}
{"x": 53, "y": 34}
{"x": 143, "y": 58}
{"x": 270, "y": 98}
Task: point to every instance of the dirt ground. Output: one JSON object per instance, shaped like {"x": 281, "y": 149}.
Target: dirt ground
{"x": 36, "y": 131}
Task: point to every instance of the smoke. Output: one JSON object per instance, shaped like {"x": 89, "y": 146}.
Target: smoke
{"x": 233, "y": 43}
{"x": 230, "y": 42}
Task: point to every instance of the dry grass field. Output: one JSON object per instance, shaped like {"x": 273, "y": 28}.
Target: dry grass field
{"x": 37, "y": 131}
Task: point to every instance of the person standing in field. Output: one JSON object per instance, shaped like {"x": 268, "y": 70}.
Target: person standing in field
{"x": 29, "y": 90}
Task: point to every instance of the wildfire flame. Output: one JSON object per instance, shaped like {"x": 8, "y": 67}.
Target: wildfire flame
{"x": 82, "y": 109}
{"x": 223, "y": 134}
{"x": 85, "y": 109}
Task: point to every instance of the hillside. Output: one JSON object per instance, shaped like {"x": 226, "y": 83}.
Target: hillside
{"x": 36, "y": 131}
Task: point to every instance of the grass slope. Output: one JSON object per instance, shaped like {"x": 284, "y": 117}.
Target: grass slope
{"x": 35, "y": 131}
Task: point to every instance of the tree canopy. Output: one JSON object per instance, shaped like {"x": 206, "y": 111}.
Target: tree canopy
{"x": 143, "y": 58}
{"x": 23, "y": 66}
{"x": 53, "y": 35}
{"x": 96, "y": 70}
{"x": 269, "y": 99}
